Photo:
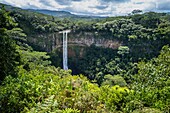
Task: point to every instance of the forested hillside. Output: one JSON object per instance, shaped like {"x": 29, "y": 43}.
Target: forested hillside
{"x": 116, "y": 64}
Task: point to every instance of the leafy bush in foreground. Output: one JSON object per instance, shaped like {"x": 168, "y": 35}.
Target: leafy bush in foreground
{"x": 42, "y": 91}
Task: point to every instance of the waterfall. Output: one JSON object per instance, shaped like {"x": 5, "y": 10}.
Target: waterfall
{"x": 65, "y": 56}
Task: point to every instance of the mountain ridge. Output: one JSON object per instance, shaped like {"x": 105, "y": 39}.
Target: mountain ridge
{"x": 64, "y": 14}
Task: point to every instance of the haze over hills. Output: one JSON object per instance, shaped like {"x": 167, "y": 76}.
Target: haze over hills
{"x": 63, "y": 14}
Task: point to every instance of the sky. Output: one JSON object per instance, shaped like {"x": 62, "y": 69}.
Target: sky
{"x": 93, "y": 7}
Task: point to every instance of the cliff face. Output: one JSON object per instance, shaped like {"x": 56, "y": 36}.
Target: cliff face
{"x": 50, "y": 42}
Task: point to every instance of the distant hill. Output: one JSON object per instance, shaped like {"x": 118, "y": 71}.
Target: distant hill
{"x": 64, "y": 14}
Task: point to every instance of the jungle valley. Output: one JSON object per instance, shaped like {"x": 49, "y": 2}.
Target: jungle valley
{"x": 116, "y": 64}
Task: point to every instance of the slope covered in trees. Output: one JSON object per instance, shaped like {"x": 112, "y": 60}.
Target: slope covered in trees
{"x": 135, "y": 77}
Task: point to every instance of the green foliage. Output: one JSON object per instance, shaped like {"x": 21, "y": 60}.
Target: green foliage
{"x": 33, "y": 23}
{"x": 9, "y": 58}
{"x": 123, "y": 50}
{"x": 69, "y": 110}
{"x": 114, "y": 96}
{"x": 121, "y": 29}
{"x": 33, "y": 59}
{"x": 147, "y": 110}
{"x": 151, "y": 83}
{"x": 93, "y": 62}
{"x": 114, "y": 80}
{"x": 47, "y": 91}
{"x": 48, "y": 105}
{"x": 26, "y": 90}
{"x": 148, "y": 20}
{"x": 6, "y": 22}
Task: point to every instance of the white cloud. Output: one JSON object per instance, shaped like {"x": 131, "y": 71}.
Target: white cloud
{"x": 125, "y": 8}
{"x": 89, "y": 7}
{"x": 93, "y": 7}
{"x": 52, "y": 5}
{"x": 23, "y": 3}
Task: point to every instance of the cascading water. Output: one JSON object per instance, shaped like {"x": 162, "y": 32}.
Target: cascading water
{"x": 65, "y": 57}
{"x": 65, "y": 66}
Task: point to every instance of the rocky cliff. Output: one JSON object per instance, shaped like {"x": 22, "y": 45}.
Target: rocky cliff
{"x": 50, "y": 42}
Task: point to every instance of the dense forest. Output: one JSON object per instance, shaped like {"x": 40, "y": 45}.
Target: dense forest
{"x": 129, "y": 75}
